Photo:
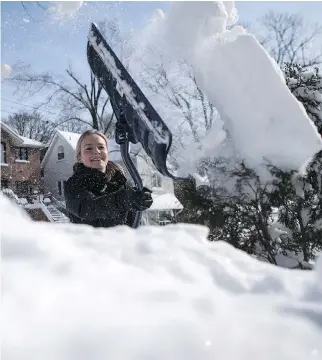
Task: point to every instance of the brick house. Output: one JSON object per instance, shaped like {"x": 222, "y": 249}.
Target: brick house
{"x": 20, "y": 162}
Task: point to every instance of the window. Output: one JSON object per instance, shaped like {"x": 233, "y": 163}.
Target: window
{"x": 156, "y": 180}
{"x": 3, "y": 153}
{"x": 165, "y": 217}
{"x": 4, "y": 184}
{"x": 161, "y": 217}
{"x": 164, "y": 222}
{"x": 61, "y": 187}
{"x": 60, "y": 153}
{"x": 21, "y": 154}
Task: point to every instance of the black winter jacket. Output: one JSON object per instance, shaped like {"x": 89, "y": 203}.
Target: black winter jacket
{"x": 93, "y": 200}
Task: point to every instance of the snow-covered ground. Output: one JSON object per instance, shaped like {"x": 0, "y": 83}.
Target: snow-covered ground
{"x": 75, "y": 292}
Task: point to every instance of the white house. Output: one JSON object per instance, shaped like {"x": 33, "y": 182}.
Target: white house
{"x": 57, "y": 164}
{"x": 57, "y": 167}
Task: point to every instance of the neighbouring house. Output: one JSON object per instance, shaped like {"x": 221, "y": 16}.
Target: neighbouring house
{"x": 57, "y": 167}
{"x": 57, "y": 164}
{"x": 20, "y": 163}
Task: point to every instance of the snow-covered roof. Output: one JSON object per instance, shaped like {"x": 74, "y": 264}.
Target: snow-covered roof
{"x": 165, "y": 202}
{"x": 70, "y": 137}
{"x": 20, "y": 140}
{"x": 30, "y": 142}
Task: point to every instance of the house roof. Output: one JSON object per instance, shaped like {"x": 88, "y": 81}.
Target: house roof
{"x": 21, "y": 141}
{"x": 71, "y": 139}
{"x": 68, "y": 137}
{"x": 31, "y": 143}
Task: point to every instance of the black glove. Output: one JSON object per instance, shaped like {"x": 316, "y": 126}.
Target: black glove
{"x": 120, "y": 131}
{"x": 140, "y": 200}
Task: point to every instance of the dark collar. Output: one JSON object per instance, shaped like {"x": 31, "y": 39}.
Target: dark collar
{"x": 96, "y": 181}
{"x": 81, "y": 169}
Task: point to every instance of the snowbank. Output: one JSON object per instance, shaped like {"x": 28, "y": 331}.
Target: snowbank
{"x": 74, "y": 292}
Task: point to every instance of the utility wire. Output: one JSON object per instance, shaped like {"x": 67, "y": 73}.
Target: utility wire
{"x": 31, "y": 107}
{"x": 46, "y": 120}
{"x": 26, "y": 103}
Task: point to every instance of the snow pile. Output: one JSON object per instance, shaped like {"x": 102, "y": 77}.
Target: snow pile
{"x": 5, "y": 71}
{"x": 241, "y": 80}
{"x": 66, "y": 8}
{"x": 10, "y": 194}
{"x": 74, "y": 292}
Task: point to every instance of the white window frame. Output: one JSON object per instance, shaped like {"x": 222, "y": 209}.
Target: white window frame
{"x": 21, "y": 154}
{"x": 162, "y": 222}
{"x": 60, "y": 151}
{"x": 3, "y": 152}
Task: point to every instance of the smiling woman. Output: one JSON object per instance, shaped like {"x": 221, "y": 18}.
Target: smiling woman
{"x": 98, "y": 193}
{"x": 92, "y": 151}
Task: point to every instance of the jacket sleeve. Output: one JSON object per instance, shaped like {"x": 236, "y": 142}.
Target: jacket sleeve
{"x": 130, "y": 218}
{"x": 131, "y": 212}
{"x": 85, "y": 205}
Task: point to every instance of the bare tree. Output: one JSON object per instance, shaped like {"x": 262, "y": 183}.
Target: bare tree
{"x": 74, "y": 98}
{"x": 81, "y": 105}
{"x": 31, "y": 125}
{"x": 197, "y": 113}
{"x": 36, "y": 11}
{"x": 288, "y": 38}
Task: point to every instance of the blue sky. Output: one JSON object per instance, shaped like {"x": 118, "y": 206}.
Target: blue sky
{"x": 49, "y": 45}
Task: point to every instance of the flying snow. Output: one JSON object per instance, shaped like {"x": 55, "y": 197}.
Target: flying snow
{"x": 75, "y": 292}
{"x": 69, "y": 8}
{"x": 266, "y": 123}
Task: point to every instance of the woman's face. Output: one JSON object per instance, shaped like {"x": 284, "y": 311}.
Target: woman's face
{"x": 94, "y": 153}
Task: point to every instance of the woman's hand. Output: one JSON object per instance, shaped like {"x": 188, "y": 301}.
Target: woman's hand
{"x": 140, "y": 200}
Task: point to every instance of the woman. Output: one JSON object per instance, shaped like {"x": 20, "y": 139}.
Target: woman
{"x": 97, "y": 194}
